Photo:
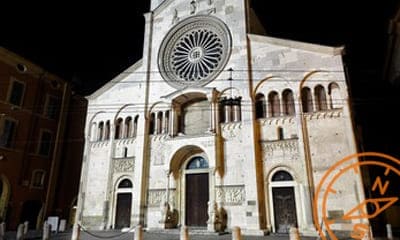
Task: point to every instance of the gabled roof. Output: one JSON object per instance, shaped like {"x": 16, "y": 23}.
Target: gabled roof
{"x": 311, "y": 47}
{"x": 115, "y": 80}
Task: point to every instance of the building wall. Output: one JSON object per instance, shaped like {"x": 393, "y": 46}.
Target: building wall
{"x": 19, "y": 162}
{"x": 243, "y": 153}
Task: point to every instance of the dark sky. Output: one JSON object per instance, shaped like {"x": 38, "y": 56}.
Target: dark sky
{"x": 93, "y": 42}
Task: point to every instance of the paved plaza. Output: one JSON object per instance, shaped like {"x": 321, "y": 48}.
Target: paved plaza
{"x": 173, "y": 235}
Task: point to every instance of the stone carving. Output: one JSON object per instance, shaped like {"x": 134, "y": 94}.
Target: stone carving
{"x": 169, "y": 216}
{"x": 193, "y": 7}
{"x": 217, "y": 217}
{"x": 124, "y": 164}
{"x": 158, "y": 154}
{"x": 175, "y": 17}
{"x": 284, "y": 149}
{"x": 231, "y": 195}
{"x": 157, "y": 196}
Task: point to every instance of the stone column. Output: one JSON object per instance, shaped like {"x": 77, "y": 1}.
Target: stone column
{"x": 236, "y": 233}
{"x": 227, "y": 110}
{"x": 172, "y": 120}
{"x": 138, "y": 232}
{"x": 20, "y": 232}
{"x": 2, "y": 230}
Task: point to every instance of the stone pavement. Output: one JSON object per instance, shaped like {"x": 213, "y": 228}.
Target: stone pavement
{"x": 174, "y": 235}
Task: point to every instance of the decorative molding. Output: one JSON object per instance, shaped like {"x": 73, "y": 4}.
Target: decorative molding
{"x": 231, "y": 195}
{"x": 231, "y": 130}
{"x": 277, "y": 120}
{"x": 100, "y": 144}
{"x": 124, "y": 164}
{"x": 327, "y": 114}
{"x": 124, "y": 141}
{"x": 282, "y": 149}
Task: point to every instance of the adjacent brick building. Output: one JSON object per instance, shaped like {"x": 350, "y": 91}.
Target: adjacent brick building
{"x": 41, "y": 142}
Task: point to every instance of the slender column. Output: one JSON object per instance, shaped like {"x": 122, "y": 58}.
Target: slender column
{"x": 227, "y": 109}
{"x": 172, "y": 121}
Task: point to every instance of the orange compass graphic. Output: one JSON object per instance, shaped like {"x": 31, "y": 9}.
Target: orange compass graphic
{"x": 357, "y": 215}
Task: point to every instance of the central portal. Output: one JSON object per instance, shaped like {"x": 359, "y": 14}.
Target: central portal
{"x": 197, "y": 192}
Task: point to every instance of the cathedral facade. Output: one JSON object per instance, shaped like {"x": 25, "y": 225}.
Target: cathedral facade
{"x": 217, "y": 126}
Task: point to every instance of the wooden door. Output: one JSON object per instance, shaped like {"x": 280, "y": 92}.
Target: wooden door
{"x": 197, "y": 196}
{"x": 284, "y": 208}
{"x": 123, "y": 214}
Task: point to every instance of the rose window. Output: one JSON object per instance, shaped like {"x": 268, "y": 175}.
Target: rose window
{"x": 194, "y": 52}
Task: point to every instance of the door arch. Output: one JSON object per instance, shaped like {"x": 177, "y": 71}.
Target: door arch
{"x": 196, "y": 191}
{"x": 123, "y": 204}
{"x": 282, "y": 191}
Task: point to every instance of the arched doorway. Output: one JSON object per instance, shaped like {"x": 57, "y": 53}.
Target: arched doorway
{"x": 124, "y": 204}
{"x": 30, "y": 212}
{"x": 283, "y": 201}
{"x": 197, "y": 192}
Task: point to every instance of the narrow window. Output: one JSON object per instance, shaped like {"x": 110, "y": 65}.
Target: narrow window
{"x": 274, "y": 104}
{"x": 288, "y": 103}
{"x": 38, "y": 178}
{"x": 320, "y": 98}
{"x": 334, "y": 96}
{"x": 44, "y": 143}
{"x": 52, "y": 107}
{"x": 16, "y": 93}
{"x": 100, "y": 131}
{"x": 7, "y": 133}
{"x": 280, "y": 133}
{"x": 135, "y": 126}
{"x": 128, "y": 127}
{"x": 159, "y": 122}
{"x": 107, "y": 130}
{"x": 118, "y": 128}
{"x": 260, "y": 106}
{"x": 152, "y": 123}
{"x": 125, "y": 152}
{"x": 306, "y": 100}
{"x": 166, "y": 122}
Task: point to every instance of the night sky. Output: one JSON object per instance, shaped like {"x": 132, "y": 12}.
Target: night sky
{"x": 91, "y": 43}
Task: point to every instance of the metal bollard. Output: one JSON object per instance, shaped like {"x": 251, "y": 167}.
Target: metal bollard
{"x": 389, "y": 231}
{"x": 2, "y": 230}
{"x": 294, "y": 233}
{"x": 138, "y": 232}
{"x": 20, "y": 232}
{"x": 236, "y": 233}
{"x": 76, "y": 232}
{"x": 46, "y": 231}
{"x": 184, "y": 233}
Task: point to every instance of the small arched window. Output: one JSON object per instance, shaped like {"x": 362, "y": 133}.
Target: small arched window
{"x": 128, "y": 127}
{"x": 197, "y": 163}
{"x": 100, "y": 131}
{"x": 320, "y": 98}
{"x": 125, "y": 152}
{"x": 107, "y": 130}
{"x": 118, "y": 128}
{"x": 306, "y": 100}
{"x": 274, "y": 104}
{"x": 126, "y": 183}
{"x": 334, "y": 96}
{"x": 135, "y": 126}
{"x": 288, "y": 103}
{"x": 152, "y": 123}
{"x": 159, "y": 124}
{"x": 281, "y": 176}
{"x": 260, "y": 106}
{"x": 166, "y": 122}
